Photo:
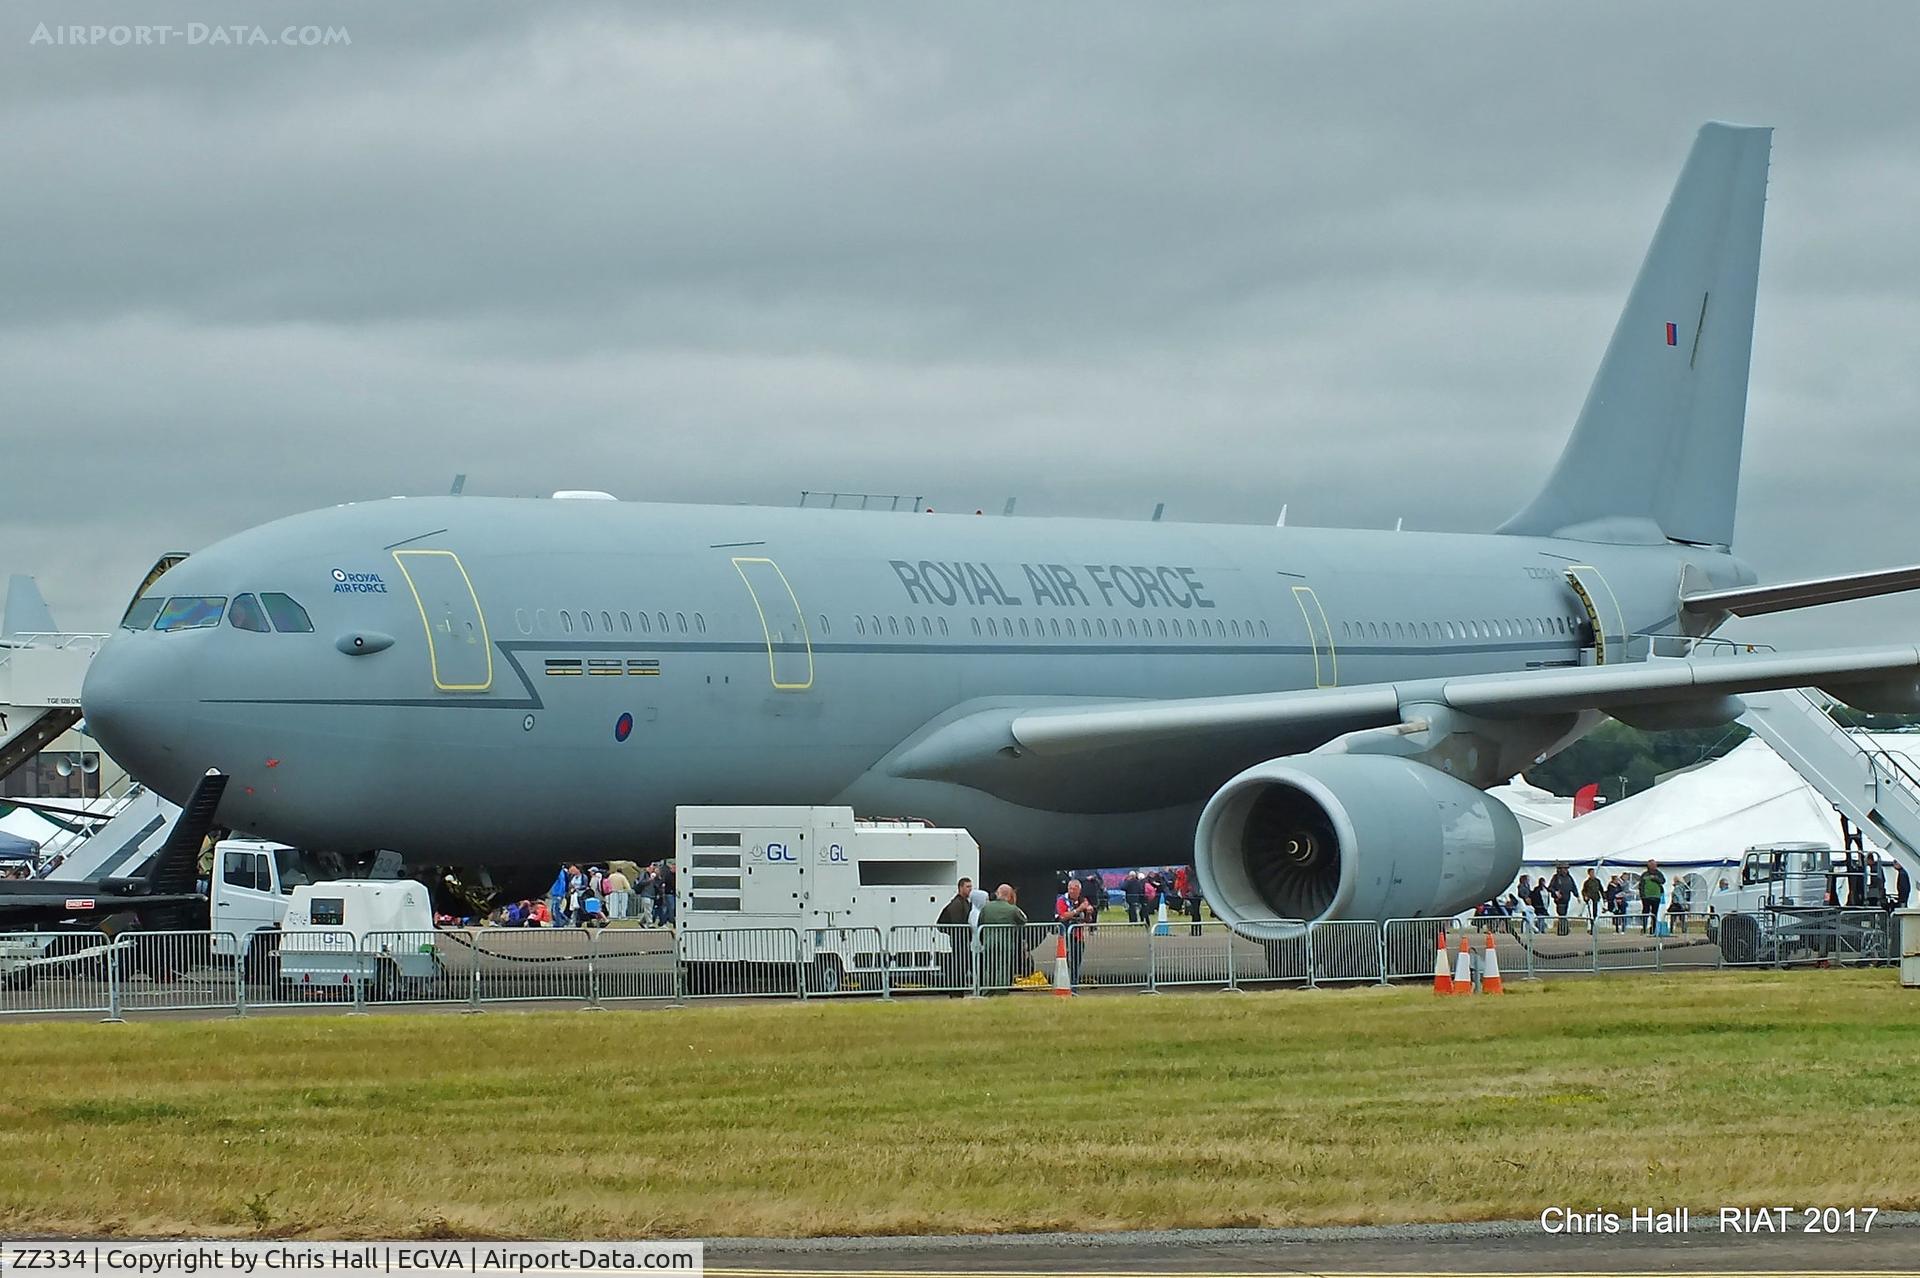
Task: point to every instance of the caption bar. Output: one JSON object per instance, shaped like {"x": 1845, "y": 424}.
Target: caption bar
{"x": 129, "y": 1260}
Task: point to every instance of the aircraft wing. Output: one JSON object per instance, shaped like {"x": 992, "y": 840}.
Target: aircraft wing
{"x": 1659, "y": 681}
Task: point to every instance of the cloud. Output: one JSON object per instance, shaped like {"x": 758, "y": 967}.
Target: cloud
{"x": 1358, "y": 259}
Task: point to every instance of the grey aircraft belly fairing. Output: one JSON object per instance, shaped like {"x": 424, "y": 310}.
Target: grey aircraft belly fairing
{"x": 502, "y": 680}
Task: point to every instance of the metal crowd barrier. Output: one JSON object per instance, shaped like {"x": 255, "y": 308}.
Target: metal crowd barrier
{"x": 91, "y": 973}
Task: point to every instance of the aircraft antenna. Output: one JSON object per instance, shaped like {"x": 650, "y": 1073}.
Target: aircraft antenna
{"x": 1008, "y": 508}
{"x": 1282, "y": 521}
{"x": 459, "y": 482}
{"x": 1159, "y": 509}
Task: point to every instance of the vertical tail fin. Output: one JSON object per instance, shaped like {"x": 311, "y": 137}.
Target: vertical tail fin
{"x": 1656, "y": 450}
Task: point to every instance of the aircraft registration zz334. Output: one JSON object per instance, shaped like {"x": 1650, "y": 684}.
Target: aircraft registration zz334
{"x": 1315, "y": 712}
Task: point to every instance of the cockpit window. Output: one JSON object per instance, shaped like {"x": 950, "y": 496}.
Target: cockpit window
{"x": 141, "y": 612}
{"x": 191, "y": 612}
{"x": 288, "y": 616}
{"x": 246, "y": 614}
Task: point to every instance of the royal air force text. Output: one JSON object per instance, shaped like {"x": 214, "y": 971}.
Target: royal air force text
{"x": 932, "y": 582}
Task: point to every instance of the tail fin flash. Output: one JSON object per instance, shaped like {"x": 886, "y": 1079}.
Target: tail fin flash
{"x": 1656, "y": 450}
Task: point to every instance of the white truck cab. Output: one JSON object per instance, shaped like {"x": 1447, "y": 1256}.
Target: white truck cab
{"x": 252, "y": 883}
{"x": 843, "y": 884}
{"x": 1777, "y": 876}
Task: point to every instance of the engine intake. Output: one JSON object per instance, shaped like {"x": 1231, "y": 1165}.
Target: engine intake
{"x": 1343, "y": 836}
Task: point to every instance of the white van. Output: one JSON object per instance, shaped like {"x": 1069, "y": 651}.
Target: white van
{"x": 844, "y": 885}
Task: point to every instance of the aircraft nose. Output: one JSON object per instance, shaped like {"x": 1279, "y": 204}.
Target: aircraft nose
{"x": 131, "y": 699}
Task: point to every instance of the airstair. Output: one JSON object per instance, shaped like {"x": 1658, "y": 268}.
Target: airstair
{"x": 40, "y": 677}
{"x": 1875, "y": 788}
{"x": 127, "y": 829}
{"x": 41, "y": 669}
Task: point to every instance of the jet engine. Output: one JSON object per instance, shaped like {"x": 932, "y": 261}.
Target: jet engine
{"x": 1349, "y": 836}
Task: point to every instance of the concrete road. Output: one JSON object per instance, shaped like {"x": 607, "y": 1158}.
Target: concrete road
{"x": 1518, "y": 1248}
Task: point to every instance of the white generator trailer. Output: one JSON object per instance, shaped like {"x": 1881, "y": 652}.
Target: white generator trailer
{"x": 750, "y": 877}
{"x": 377, "y": 931}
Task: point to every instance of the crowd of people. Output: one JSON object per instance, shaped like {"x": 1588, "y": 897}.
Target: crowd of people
{"x": 1006, "y": 955}
{"x": 596, "y": 896}
{"x": 1646, "y": 899}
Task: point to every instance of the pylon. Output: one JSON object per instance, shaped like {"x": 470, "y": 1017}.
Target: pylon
{"x": 1442, "y": 980}
{"x": 1490, "y": 969}
{"x": 1463, "y": 969}
{"x": 1062, "y": 974}
{"x": 1160, "y": 927}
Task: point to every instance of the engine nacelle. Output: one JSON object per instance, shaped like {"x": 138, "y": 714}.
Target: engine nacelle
{"x": 1349, "y": 836}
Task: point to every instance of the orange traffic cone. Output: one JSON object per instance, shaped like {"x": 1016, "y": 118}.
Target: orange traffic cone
{"x": 1442, "y": 981}
{"x": 1062, "y": 977}
{"x": 1463, "y": 970}
{"x": 1490, "y": 969}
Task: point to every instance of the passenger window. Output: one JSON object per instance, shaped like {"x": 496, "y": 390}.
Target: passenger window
{"x": 910, "y": 624}
{"x": 191, "y": 612}
{"x": 540, "y": 621}
{"x": 976, "y": 627}
{"x": 943, "y": 627}
{"x": 893, "y": 626}
{"x": 606, "y": 621}
{"x": 246, "y": 614}
{"x": 825, "y": 629}
{"x": 680, "y": 619}
{"x": 646, "y": 627}
{"x": 664, "y": 628}
{"x": 566, "y": 621}
{"x": 142, "y": 611}
{"x": 523, "y": 621}
{"x": 1162, "y": 624}
{"x": 876, "y": 627}
{"x": 926, "y": 626}
{"x": 859, "y": 626}
{"x": 287, "y": 616}
{"x": 1236, "y": 628}
{"x": 700, "y": 622}
{"x": 626, "y": 623}
{"x": 586, "y": 620}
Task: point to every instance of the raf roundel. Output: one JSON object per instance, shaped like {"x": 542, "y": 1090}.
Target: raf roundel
{"x": 623, "y": 727}
{"x": 339, "y": 574}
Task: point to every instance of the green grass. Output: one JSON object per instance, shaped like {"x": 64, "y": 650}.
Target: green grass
{"x": 942, "y": 1115}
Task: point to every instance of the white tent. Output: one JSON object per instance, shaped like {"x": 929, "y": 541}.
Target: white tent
{"x": 25, "y": 824}
{"x": 1536, "y": 809}
{"x": 1706, "y": 816}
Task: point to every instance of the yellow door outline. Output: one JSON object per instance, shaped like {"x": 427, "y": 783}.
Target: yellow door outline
{"x": 1592, "y": 606}
{"x": 400, "y": 557}
{"x": 1330, "y": 677}
{"x": 766, "y": 629}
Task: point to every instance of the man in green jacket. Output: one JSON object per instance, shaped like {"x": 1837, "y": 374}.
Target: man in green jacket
{"x": 1003, "y": 930}
{"x": 1653, "y": 886}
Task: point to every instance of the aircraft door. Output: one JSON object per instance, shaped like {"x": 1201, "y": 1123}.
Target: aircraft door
{"x": 460, "y": 655}
{"x": 1603, "y": 612}
{"x": 1326, "y": 661}
{"x": 789, "y": 646}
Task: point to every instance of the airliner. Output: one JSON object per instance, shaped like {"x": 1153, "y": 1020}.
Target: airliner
{"x": 1315, "y": 713}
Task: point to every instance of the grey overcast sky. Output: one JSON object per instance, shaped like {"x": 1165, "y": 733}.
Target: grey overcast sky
{"x": 1358, "y": 258}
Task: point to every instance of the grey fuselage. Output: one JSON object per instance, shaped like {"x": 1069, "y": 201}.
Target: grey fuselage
{"x": 491, "y": 736}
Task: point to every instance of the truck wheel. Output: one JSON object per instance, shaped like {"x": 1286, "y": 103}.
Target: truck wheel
{"x": 1740, "y": 938}
{"x": 22, "y": 979}
{"x": 825, "y": 977}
